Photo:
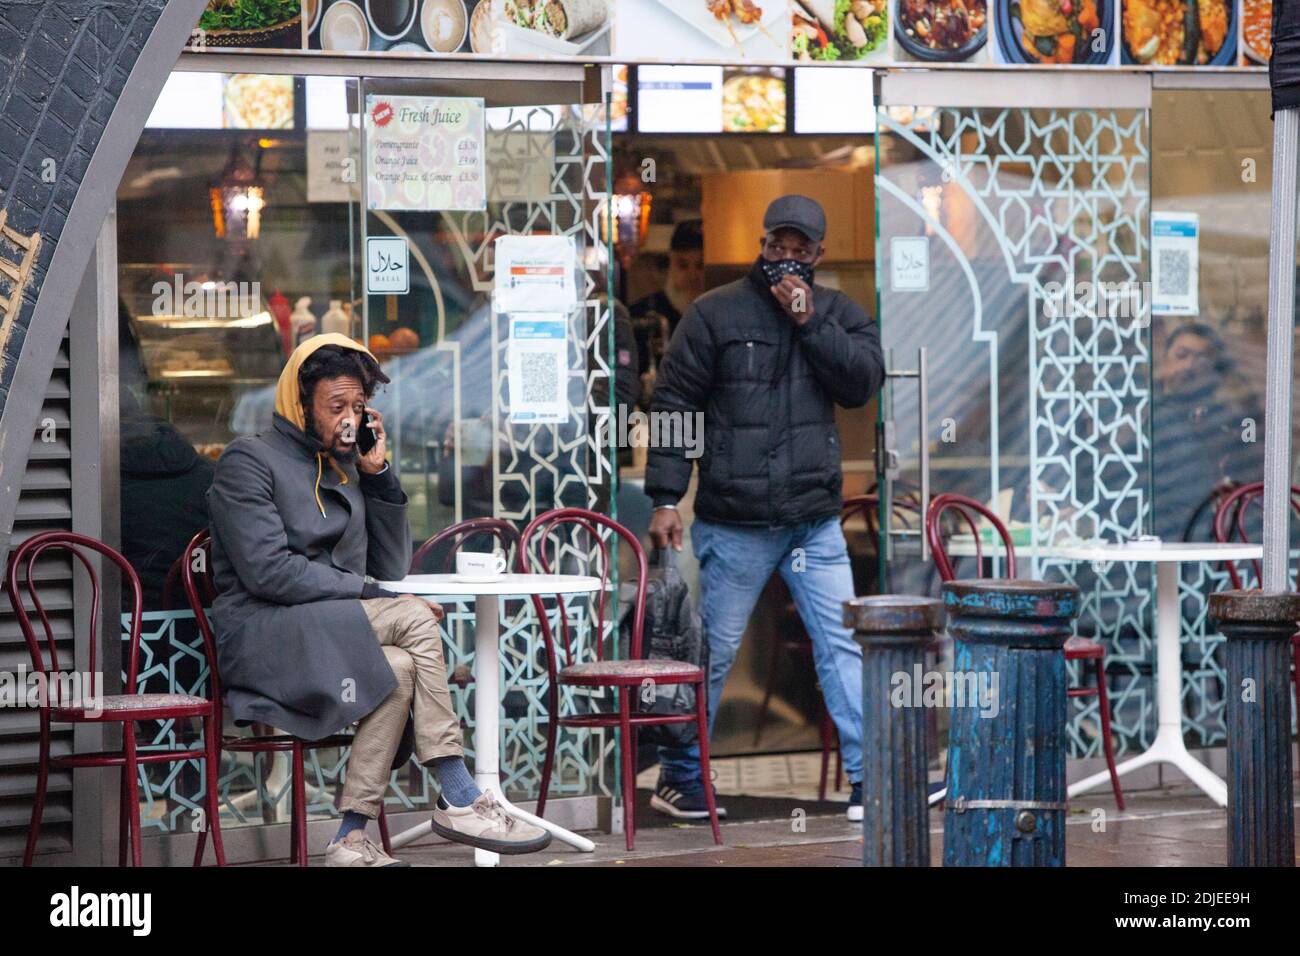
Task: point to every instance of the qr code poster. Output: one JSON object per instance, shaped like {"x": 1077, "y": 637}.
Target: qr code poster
{"x": 1175, "y": 285}
{"x": 538, "y": 368}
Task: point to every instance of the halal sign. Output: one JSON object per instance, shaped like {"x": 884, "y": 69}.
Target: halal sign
{"x": 382, "y": 114}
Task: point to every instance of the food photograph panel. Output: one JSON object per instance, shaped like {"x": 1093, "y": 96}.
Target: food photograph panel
{"x": 249, "y": 24}
{"x": 1055, "y": 32}
{"x": 710, "y": 30}
{"x": 1256, "y": 32}
{"x": 403, "y": 26}
{"x": 941, "y": 31}
{"x": 840, "y": 31}
{"x": 1178, "y": 32}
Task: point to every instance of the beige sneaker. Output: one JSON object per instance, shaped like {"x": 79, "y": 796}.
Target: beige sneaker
{"x": 356, "y": 849}
{"x": 487, "y": 825}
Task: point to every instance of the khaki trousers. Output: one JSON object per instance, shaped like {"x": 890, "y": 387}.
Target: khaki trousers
{"x": 411, "y": 641}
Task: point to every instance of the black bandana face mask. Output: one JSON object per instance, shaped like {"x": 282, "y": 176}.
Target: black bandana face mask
{"x": 775, "y": 271}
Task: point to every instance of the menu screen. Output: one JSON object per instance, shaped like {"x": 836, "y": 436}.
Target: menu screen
{"x": 833, "y": 101}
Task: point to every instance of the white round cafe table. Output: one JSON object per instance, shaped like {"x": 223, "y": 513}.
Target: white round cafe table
{"x": 487, "y": 696}
{"x": 1168, "y": 747}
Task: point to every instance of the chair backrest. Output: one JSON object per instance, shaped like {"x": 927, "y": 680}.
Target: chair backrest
{"x": 502, "y": 533}
{"x": 966, "y": 507}
{"x": 867, "y": 507}
{"x": 548, "y": 529}
{"x": 22, "y": 574}
{"x": 196, "y": 578}
{"x": 1230, "y": 519}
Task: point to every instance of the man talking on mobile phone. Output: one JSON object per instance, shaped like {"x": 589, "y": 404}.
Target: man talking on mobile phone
{"x": 303, "y": 523}
{"x": 766, "y": 359}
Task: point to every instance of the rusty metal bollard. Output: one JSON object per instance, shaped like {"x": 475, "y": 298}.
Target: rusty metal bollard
{"x": 1261, "y": 798}
{"x": 893, "y": 631}
{"x": 1006, "y": 750}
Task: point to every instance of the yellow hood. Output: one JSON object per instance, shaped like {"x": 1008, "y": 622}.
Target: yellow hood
{"x": 288, "y": 397}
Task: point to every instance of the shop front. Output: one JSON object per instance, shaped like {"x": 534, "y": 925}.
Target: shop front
{"x": 1067, "y": 275}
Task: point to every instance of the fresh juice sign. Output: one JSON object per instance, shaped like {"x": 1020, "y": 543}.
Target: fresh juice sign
{"x": 424, "y": 153}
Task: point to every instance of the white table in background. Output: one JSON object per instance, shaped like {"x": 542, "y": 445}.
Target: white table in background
{"x": 487, "y": 695}
{"x": 1168, "y": 747}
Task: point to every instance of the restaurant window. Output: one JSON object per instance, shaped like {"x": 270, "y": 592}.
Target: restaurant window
{"x": 249, "y": 220}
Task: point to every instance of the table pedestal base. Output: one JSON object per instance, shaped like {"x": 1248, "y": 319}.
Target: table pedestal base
{"x": 487, "y": 704}
{"x": 1168, "y": 748}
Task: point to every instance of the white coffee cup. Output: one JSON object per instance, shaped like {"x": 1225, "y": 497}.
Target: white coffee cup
{"x": 477, "y": 564}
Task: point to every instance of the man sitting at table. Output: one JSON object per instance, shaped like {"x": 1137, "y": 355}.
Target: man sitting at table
{"x": 307, "y": 640}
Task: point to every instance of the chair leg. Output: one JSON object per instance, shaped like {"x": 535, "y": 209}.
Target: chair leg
{"x": 299, "y": 806}
{"x": 825, "y": 728}
{"x": 383, "y": 832}
{"x": 123, "y": 819}
{"x": 212, "y": 738}
{"x": 629, "y": 776}
{"x": 38, "y": 804}
{"x": 767, "y": 691}
{"x": 552, "y": 729}
{"x": 131, "y": 769}
{"x": 706, "y": 774}
{"x": 1103, "y": 707}
{"x": 1296, "y": 678}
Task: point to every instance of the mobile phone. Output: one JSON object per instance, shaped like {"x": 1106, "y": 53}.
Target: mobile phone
{"x": 366, "y": 438}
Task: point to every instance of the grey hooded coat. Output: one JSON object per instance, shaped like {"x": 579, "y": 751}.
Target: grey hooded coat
{"x": 292, "y": 541}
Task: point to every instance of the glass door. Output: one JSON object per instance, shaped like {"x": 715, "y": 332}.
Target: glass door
{"x": 1012, "y": 256}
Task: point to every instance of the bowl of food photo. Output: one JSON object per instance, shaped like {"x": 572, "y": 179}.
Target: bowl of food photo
{"x": 941, "y": 30}
{"x": 1061, "y": 32}
{"x": 1178, "y": 32}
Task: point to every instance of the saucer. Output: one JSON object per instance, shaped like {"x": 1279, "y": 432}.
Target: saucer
{"x": 478, "y": 578}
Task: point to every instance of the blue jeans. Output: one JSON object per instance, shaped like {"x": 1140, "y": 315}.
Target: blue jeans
{"x": 736, "y": 562}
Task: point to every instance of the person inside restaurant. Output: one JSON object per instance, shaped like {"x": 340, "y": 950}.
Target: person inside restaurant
{"x": 305, "y": 518}
{"x": 1201, "y": 426}
{"x": 765, "y": 360}
{"x": 657, "y": 315}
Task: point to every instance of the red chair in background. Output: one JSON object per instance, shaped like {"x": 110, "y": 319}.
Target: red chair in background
{"x": 792, "y": 638}
{"x": 125, "y": 709}
{"x": 456, "y": 537}
{"x": 1076, "y": 648}
{"x": 1230, "y": 516}
{"x": 258, "y": 742}
{"x": 622, "y": 676}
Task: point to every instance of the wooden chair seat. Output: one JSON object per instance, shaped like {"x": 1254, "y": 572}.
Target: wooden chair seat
{"x": 619, "y": 673}
{"x": 120, "y": 707}
{"x": 1083, "y": 649}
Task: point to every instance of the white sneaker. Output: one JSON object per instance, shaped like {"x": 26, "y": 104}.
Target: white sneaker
{"x": 356, "y": 849}
{"x": 487, "y": 825}
{"x": 855, "y": 804}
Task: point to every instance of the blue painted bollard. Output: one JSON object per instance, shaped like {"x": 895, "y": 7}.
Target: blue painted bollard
{"x": 1261, "y": 797}
{"x": 1006, "y": 749}
{"x": 893, "y": 632}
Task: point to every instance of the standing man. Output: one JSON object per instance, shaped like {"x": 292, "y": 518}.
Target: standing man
{"x": 766, "y": 359}
{"x": 658, "y": 314}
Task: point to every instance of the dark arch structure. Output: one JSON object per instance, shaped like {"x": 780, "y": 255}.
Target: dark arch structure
{"x": 78, "y": 79}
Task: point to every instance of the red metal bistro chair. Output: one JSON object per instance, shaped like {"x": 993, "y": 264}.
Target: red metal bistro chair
{"x": 200, "y": 592}
{"x": 1231, "y": 516}
{"x": 125, "y": 709}
{"x": 1076, "y": 648}
{"x": 621, "y": 675}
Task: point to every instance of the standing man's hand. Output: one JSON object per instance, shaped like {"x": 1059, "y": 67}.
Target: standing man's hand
{"x": 666, "y": 528}
{"x": 373, "y": 461}
{"x": 795, "y": 297}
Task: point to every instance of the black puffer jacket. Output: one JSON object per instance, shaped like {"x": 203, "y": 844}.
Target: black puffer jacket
{"x": 771, "y": 450}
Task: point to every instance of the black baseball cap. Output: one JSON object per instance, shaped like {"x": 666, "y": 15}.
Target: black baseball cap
{"x": 796, "y": 212}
